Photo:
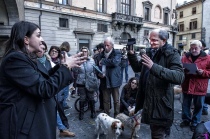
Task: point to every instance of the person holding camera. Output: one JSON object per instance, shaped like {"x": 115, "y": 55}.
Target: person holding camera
{"x": 124, "y": 64}
{"x": 160, "y": 69}
{"x": 27, "y": 103}
{"x": 82, "y": 72}
{"x": 65, "y": 47}
{"x": 45, "y": 63}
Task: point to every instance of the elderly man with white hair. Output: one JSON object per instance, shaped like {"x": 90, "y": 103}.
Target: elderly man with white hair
{"x": 195, "y": 85}
{"x": 111, "y": 78}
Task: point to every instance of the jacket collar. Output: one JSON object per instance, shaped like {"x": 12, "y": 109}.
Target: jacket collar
{"x": 202, "y": 54}
{"x": 103, "y": 54}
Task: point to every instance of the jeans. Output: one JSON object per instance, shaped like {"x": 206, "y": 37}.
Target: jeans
{"x": 65, "y": 95}
{"x": 198, "y": 102}
{"x": 59, "y": 123}
{"x": 126, "y": 73}
{"x": 205, "y": 107}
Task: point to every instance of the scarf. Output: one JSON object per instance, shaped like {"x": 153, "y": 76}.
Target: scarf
{"x": 42, "y": 59}
{"x": 107, "y": 54}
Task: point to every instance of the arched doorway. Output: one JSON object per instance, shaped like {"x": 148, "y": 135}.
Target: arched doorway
{"x": 9, "y": 13}
{"x": 124, "y": 38}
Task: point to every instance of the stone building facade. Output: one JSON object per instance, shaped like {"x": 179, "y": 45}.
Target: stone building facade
{"x": 190, "y": 23}
{"x": 88, "y": 22}
{"x": 206, "y": 22}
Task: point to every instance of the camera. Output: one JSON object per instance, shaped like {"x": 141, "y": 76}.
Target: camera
{"x": 63, "y": 52}
{"x": 130, "y": 44}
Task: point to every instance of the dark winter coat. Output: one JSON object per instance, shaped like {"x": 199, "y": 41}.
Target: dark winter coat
{"x": 113, "y": 69}
{"x": 155, "y": 94}
{"x": 197, "y": 84}
{"x": 27, "y": 105}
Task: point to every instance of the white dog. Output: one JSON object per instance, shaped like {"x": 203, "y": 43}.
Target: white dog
{"x": 132, "y": 122}
{"x": 109, "y": 126}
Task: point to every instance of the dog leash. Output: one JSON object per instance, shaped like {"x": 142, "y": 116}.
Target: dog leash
{"x": 140, "y": 111}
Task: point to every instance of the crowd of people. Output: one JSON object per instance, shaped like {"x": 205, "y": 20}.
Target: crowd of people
{"x": 33, "y": 100}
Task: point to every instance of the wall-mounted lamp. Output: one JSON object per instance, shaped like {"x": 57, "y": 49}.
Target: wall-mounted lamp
{"x": 117, "y": 38}
{"x": 84, "y": 8}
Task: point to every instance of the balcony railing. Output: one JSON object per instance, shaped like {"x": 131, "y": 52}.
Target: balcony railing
{"x": 122, "y": 19}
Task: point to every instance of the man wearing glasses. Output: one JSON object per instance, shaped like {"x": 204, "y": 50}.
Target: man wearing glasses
{"x": 160, "y": 68}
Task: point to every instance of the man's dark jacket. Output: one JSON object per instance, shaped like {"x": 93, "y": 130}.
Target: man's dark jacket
{"x": 27, "y": 105}
{"x": 113, "y": 69}
{"x": 155, "y": 94}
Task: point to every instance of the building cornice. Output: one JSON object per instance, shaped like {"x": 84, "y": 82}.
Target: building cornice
{"x": 187, "y": 4}
{"x": 67, "y": 10}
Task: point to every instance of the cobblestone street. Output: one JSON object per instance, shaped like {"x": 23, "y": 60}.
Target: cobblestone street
{"x": 85, "y": 129}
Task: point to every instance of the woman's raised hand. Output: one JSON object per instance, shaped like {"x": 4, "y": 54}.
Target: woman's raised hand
{"x": 74, "y": 60}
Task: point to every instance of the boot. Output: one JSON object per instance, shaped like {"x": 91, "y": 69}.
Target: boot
{"x": 92, "y": 108}
{"x": 66, "y": 133}
{"x": 81, "y": 113}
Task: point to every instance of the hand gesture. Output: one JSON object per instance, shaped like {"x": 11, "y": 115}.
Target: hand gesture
{"x": 74, "y": 60}
{"x": 131, "y": 52}
{"x": 199, "y": 71}
{"x": 147, "y": 61}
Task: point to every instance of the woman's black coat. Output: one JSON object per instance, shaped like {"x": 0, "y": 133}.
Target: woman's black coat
{"x": 27, "y": 105}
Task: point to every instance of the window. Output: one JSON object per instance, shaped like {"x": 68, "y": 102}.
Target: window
{"x": 146, "y": 32}
{"x": 64, "y": 2}
{"x": 166, "y": 18}
{"x": 102, "y": 28}
{"x": 146, "y": 14}
{"x": 100, "y": 5}
{"x": 181, "y": 14}
{"x": 124, "y": 38}
{"x": 194, "y": 10}
{"x": 166, "y": 12}
{"x": 157, "y": 12}
{"x": 180, "y": 37}
{"x": 181, "y": 27}
{"x": 147, "y": 5}
{"x": 84, "y": 42}
{"x": 193, "y": 35}
{"x": 125, "y": 7}
{"x": 193, "y": 25}
{"x": 63, "y": 22}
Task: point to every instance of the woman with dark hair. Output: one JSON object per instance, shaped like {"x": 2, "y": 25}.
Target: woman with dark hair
{"x": 27, "y": 104}
{"x": 55, "y": 54}
{"x": 65, "y": 46}
{"x": 128, "y": 95}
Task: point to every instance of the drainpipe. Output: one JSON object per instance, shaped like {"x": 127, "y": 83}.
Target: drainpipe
{"x": 171, "y": 11}
{"x": 40, "y": 4}
{"x": 202, "y": 37}
{"x": 173, "y": 33}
